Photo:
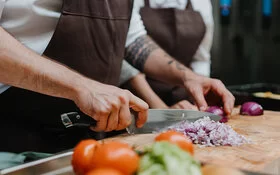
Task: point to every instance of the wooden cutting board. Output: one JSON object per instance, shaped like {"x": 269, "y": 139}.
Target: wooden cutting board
{"x": 263, "y": 131}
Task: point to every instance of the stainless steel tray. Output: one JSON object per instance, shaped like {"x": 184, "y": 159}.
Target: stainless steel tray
{"x": 59, "y": 164}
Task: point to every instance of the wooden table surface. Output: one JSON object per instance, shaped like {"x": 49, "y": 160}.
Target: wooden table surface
{"x": 260, "y": 155}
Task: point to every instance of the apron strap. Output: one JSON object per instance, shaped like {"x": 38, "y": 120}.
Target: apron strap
{"x": 147, "y": 3}
{"x": 189, "y": 5}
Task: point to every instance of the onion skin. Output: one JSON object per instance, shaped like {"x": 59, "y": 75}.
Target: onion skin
{"x": 251, "y": 109}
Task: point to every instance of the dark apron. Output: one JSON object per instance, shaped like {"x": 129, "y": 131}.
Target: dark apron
{"x": 179, "y": 33}
{"x": 89, "y": 38}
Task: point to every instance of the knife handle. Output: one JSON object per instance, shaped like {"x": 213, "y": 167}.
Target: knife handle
{"x": 75, "y": 119}
{"x": 131, "y": 128}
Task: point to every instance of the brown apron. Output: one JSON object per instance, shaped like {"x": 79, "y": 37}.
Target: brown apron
{"x": 89, "y": 38}
{"x": 179, "y": 33}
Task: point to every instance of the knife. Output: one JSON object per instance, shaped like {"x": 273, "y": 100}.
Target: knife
{"x": 76, "y": 119}
{"x": 158, "y": 119}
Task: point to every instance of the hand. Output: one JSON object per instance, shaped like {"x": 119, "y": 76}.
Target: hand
{"x": 109, "y": 106}
{"x": 184, "y": 104}
{"x": 202, "y": 88}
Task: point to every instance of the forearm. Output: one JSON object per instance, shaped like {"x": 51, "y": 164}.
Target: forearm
{"x": 151, "y": 59}
{"x": 23, "y": 68}
{"x": 145, "y": 92}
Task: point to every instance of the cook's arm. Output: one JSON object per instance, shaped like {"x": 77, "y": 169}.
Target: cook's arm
{"x": 23, "y": 68}
{"x": 108, "y": 105}
{"x": 148, "y": 57}
{"x": 145, "y": 55}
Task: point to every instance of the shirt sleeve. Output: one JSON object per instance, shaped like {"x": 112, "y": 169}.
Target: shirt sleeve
{"x": 201, "y": 67}
{"x": 202, "y": 58}
{"x": 127, "y": 72}
{"x": 2, "y": 3}
{"x": 136, "y": 27}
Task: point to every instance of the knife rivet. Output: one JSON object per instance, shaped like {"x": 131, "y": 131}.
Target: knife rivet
{"x": 78, "y": 117}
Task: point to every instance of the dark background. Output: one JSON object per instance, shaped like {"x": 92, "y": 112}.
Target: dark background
{"x": 246, "y": 47}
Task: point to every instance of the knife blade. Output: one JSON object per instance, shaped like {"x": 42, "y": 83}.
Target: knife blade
{"x": 160, "y": 119}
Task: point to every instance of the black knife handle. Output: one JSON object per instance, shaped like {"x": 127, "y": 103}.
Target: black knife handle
{"x": 75, "y": 119}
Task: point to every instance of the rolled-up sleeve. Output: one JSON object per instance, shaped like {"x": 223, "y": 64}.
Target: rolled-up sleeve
{"x": 2, "y": 3}
{"x": 127, "y": 72}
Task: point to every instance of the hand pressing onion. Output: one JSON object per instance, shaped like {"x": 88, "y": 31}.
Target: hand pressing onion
{"x": 251, "y": 109}
{"x": 218, "y": 111}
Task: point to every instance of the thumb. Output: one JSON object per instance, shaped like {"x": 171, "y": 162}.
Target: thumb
{"x": 141, "y": 107}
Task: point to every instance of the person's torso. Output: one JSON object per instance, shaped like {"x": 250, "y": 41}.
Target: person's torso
{"x": 204, "y": 7}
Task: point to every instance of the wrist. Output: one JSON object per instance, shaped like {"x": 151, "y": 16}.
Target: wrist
{"x": 188, "y": 75}
{"x": 79, "y": 86}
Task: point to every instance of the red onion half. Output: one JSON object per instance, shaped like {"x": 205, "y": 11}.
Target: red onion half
{"x": 218, "y": 111}
{"x": 251, "y": 109}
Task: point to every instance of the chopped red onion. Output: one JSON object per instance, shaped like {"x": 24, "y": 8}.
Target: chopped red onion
{"x": 210, "y": 133}
{"x": 251, "y": 109}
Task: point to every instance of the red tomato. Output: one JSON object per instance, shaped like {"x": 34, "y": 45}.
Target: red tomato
{"x": 104, "y": 171}
{"x": 116, "y": 155}
{"x": 177, "y": 138}
{"x": 82, "y": 155}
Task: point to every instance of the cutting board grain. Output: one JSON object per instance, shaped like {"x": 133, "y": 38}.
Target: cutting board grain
{"x": 263, "y": 131}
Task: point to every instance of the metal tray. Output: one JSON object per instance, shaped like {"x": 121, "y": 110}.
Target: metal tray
{"x": 59, "y": 164}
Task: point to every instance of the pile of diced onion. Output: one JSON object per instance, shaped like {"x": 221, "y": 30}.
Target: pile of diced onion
{"x": 207, "y": 132}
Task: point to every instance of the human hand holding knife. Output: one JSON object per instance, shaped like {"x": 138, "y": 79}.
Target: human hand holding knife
{"x": 79, "y": 119}
{"x": 158, "y": 119}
